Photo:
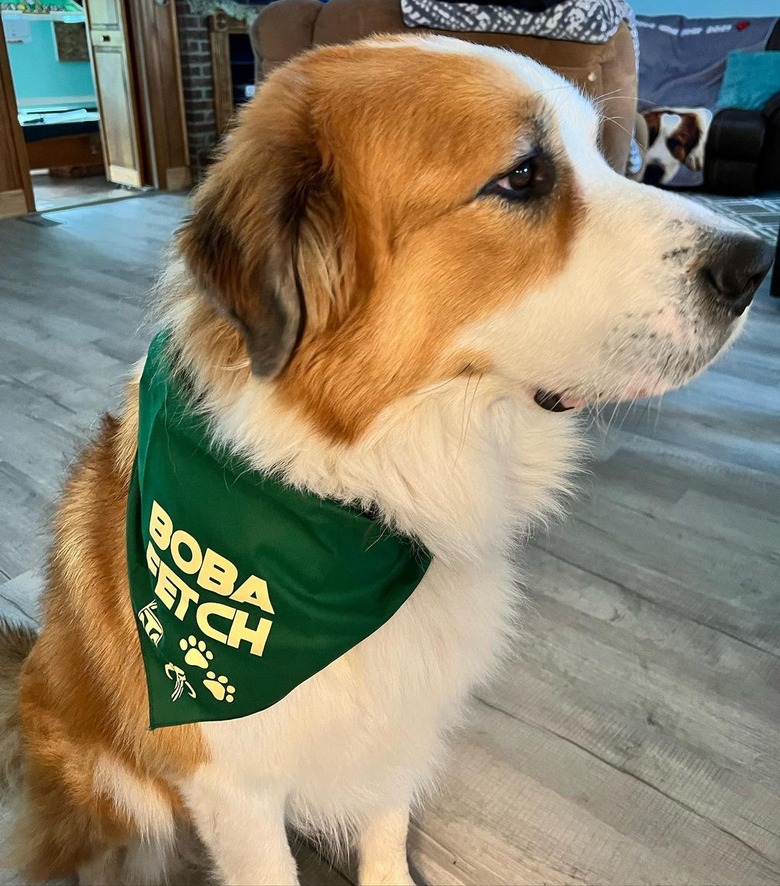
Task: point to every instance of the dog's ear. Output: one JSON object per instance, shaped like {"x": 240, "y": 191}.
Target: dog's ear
{"x": 653, "y": 121}
{"x": 261, "y": 241}
{"x": 253, "y": 285}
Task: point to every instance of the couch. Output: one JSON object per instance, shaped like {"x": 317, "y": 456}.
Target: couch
{"x": 682, "y": 66}
{"x": 287, "y": 27}
{"x": 743, "y": 151}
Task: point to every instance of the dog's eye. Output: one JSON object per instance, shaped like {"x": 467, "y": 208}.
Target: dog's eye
{"x": 528, "y": 178}
{"x": 521, "y": 177}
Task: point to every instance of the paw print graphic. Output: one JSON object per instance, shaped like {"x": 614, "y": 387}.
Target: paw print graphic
{"x": 219, "y": 687}
{"x": 195, "y": 652}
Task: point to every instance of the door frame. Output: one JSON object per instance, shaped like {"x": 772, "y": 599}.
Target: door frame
{"x": 16, "y": 194}
{"x": 157, "y": 57}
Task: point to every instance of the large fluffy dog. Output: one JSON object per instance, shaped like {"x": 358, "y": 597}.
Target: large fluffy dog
{"x": 409, "y": 262}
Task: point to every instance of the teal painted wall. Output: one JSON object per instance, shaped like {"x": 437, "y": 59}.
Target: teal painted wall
{"x": 709, "y": 8}
{"x": 38, "y": 75}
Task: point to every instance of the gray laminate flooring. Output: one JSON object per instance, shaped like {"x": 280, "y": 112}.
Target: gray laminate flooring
{"x": 635, "y": 736}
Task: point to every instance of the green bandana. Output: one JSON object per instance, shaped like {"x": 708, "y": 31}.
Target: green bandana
{"x": 243, "y": 586}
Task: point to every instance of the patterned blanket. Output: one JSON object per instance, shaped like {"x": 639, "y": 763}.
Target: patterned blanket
{"x": 583, "y": 21}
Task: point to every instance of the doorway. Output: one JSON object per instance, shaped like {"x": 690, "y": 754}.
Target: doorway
{"x": 93, "y": 95}
{"x": 57, "y": 105}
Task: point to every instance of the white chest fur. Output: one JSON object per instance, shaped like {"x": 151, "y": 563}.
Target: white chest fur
{"x": 367, "y": 731}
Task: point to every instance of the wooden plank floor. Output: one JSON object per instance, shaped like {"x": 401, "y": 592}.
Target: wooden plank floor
{"x": 634, "y": 738}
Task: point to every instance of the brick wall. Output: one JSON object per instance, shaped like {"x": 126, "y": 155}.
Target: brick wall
{"x": 198, "y": 85}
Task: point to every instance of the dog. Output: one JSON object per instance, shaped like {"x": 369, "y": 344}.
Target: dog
{"x": 675, "y": 138}
{"x": 407, "y": 272}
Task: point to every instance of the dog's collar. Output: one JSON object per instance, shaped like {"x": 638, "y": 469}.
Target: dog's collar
{"x": 243, "y": 586}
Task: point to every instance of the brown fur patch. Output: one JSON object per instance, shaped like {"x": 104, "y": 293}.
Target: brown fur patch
{"x": 400, "y": 341}
{"x": 653, "y": 121}
{"x": 82, "y": 690}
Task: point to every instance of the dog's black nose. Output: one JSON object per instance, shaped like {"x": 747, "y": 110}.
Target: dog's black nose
{"x": 734, "y": 271}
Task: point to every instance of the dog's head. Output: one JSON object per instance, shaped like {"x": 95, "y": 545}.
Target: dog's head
{"x": 675, "y": 137}
{"x": 390, "y": 215}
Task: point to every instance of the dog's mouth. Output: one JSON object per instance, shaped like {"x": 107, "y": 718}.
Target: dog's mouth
{"x": 553, "y": 402}
{"x": 563, "y": 402}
